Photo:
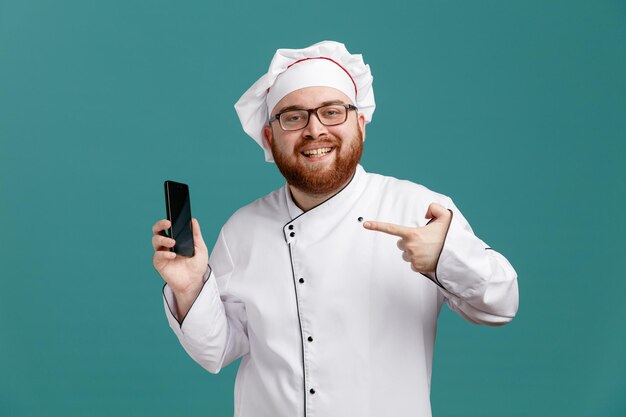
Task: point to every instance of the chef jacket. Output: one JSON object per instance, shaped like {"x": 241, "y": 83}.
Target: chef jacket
{"x": 328, "y": 319}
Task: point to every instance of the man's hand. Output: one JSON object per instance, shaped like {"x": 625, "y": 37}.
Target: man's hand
{"x": 183, "y": 274}
{"x": 420, "y": 246}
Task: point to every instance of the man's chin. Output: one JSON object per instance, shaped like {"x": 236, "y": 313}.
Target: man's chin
{"x": 319, "y": 180}
{"x": 318, "y": 168}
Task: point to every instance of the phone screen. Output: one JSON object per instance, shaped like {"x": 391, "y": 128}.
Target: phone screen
{"x": 178, "y": 207}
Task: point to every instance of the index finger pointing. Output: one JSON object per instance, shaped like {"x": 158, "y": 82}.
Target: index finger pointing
{"x": 389, "y": 228}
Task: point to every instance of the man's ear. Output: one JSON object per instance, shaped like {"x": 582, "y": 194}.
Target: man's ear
{"x": 267, "y": 135}
{"x": 361, "y": 122}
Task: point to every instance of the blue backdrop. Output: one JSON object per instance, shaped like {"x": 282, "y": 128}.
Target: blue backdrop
{"x": 516, "y": 109}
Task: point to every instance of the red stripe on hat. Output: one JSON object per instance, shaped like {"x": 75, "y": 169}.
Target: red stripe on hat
{"x": 328, "y": 59}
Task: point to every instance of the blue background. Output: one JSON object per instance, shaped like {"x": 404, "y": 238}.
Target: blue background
{"x": 516, "y": 109}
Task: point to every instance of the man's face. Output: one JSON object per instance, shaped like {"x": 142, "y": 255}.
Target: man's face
{"x": 338, "y": 147}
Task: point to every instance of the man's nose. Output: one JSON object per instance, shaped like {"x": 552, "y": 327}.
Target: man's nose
{"x": 315, "y": 128}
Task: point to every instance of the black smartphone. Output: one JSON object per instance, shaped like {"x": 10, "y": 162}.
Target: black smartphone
{"x": 178, "y": 207}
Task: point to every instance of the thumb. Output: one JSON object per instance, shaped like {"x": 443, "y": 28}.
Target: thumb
{"x": 197, "y": 234}
{"x": 435, "y": 211}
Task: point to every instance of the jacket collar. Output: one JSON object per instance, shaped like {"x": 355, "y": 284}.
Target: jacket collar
{"x": 339, "y": 202}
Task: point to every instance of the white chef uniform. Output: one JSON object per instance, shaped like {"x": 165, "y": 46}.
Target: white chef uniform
{"x": 327, "y": 317}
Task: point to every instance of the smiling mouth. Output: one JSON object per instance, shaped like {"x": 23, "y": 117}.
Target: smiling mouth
{"x": 317, "y": 153}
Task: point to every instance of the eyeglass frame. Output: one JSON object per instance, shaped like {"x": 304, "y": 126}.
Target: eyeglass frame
{"x": 348, "y": 107}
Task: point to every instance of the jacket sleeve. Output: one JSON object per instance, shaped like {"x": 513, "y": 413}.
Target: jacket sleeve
{"x": 476, "y": 281}
{"x": 214, "y": 331}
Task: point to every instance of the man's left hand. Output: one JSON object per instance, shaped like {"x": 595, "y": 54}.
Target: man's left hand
{"x": 420, "y": 246}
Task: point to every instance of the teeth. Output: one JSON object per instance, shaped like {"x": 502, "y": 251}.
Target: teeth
{"x": 317, "y": 152}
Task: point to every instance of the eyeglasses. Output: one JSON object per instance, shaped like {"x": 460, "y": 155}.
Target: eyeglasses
{"x": 331, "y": 115}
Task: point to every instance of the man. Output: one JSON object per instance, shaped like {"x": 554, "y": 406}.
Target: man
{"x": 329, "y": 288}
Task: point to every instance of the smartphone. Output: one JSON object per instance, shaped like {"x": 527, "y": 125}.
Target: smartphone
{"x": 178, "y": 208}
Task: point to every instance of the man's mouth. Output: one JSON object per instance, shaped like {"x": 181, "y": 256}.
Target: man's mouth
{"x": 317, "y": 153}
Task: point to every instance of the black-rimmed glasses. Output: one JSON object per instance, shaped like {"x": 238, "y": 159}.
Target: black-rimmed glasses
{"x": 330, "y": 115}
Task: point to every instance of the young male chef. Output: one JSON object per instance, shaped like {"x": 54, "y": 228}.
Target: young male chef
{"x": 328, "y": 288}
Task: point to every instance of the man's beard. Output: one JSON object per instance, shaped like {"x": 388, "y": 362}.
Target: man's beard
{"x": 321, "y": 181}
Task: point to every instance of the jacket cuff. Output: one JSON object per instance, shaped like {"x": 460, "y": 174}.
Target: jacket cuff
{"x": 171, "y": 306}
{"x": 462, "y": 265}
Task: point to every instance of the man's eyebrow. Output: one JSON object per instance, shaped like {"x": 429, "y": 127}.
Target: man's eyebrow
{"x": 296, "y": 107}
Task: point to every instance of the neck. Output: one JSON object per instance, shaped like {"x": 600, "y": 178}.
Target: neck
{"x": 306, "y": 201}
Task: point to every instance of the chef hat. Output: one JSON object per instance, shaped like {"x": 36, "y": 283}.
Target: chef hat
{"x": 325, "y": 64}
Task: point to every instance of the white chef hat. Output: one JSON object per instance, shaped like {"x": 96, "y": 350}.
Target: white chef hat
{"x": 325, "y": 64}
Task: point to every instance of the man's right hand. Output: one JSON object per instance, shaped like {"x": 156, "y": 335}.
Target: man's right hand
{"x": 183, "y": 274}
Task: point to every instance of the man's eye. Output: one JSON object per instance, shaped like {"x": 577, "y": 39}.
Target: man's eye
{"x": 296, "y": 117}
{"x": 333, "y": 112}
